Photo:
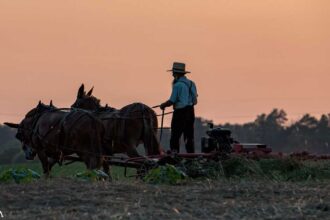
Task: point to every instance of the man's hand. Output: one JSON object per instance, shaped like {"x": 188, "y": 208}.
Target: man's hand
{"x": 165, "y": 104}
{"x": 162, "y": 106}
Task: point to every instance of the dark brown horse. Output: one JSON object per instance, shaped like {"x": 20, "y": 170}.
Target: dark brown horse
{"x": 52, "y": 134}
{"x": 124, "y": 128}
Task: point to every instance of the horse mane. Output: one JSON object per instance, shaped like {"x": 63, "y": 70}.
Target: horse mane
{"x": 106, "y": 109}
{"x": 39, "y": 109}
{"x": 31, "y": 113}
{"x": 92, "y": 99}
{"x": 96, "y": 100}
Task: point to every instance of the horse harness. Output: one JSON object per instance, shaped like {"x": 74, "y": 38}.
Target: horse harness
{"x": 60, "y": 124}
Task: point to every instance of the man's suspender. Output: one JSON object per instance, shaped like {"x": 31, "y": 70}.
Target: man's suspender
{"x": 190, "y": 91}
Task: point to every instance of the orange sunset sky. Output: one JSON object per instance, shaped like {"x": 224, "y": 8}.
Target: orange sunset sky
{"x": 246, "y": 56}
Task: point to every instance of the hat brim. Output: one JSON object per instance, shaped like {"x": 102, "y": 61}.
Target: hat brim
{"x": 178, "y": 71}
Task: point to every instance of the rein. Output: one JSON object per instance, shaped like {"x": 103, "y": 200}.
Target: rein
{"x": 167, "y": 113}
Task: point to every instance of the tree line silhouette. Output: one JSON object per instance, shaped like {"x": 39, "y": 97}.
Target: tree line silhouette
{"x": 306, "y": 134}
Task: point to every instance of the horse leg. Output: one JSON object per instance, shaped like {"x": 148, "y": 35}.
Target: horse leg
{"x": 94, "y": 162}
{"x": 46, "y": 166}
{"x": 107, "y": 152}
{"x": 151, "y": 143}
{"x": 96, "y": 146}
{"x": 107, "y": 169}
{"x": 87, "y": 160}
{"x": 132, "y": 152}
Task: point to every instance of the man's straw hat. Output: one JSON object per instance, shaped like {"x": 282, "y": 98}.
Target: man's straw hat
{"x": 178, "y": 68}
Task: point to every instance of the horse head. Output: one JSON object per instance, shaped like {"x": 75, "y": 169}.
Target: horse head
{"x": 86, "y": 100}
{"x": 26, "y": 128}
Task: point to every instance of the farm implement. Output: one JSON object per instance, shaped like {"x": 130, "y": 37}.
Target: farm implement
{"x": 217, "y": 147}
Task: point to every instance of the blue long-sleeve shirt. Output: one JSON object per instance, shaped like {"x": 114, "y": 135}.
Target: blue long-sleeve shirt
{"x": 184, "y": 93}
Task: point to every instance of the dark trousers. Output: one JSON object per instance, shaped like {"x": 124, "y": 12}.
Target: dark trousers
{"x": 183, "y": 123}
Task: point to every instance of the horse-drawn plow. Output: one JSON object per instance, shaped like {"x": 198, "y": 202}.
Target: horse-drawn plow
{"x": 218, "y": 147}
{"x": 98, "y": 134}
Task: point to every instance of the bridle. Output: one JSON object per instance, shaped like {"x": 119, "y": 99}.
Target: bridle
{"x": 35, "y": 118}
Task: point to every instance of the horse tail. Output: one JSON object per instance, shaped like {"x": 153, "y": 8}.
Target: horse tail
{"x": 150, "y": 125}
{"x": 154, "y": 123}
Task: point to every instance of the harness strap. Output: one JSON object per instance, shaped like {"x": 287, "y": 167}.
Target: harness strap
{"x": 35, "y": 129}
{"x": 64, "y": 119}
{"x": 60, "y": 146}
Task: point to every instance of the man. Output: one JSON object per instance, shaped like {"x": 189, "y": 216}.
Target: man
{"x": 183, "y": 99}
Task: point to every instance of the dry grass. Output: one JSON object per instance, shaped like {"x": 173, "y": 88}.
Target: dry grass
{"x": 65, "y": 198}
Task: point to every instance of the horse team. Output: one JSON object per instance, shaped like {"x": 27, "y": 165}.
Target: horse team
{"x": 87, "y": 129}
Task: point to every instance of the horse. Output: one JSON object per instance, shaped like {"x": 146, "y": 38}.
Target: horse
{"x": 125, "y": 128}
{"x": 51, "y": 134}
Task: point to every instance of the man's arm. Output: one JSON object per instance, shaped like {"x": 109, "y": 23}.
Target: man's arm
{"x": 173, "y": 98}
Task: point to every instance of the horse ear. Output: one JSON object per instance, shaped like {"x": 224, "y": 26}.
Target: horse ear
{"x": 51, "y": 103}
{"x": 12, "y": 125}
{"x": 39, "y": 104}
{"x": 90, "y": 91}
{"x": 81, "y": 91}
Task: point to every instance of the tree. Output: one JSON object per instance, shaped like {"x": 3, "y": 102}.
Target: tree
{"x": 270, "y": 128}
